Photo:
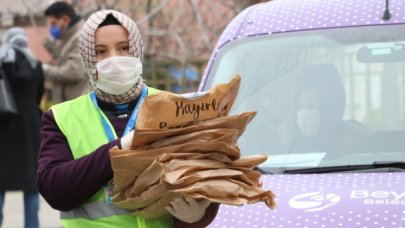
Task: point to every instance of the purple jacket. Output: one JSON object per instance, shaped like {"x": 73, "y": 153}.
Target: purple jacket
{"x": 66, "y": 183}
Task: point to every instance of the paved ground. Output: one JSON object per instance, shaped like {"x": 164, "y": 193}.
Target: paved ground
{"x": 13, "y": 212}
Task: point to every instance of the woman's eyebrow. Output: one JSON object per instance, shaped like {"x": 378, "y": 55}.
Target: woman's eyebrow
{"x": 100, "y": 45}
{"x": 122, "y": 42}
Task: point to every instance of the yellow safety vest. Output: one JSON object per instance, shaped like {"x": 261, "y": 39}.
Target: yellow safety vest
{"x": 81, "y": 123}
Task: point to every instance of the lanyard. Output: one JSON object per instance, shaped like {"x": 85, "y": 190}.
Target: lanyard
{"x": 132, "y": 120}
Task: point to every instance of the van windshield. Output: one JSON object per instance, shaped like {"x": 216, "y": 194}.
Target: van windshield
{"x": 326, "y": 97}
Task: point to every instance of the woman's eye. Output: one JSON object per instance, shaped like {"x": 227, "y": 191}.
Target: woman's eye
{"x": 99, "y": 52}
{"x": 126, "y": 49}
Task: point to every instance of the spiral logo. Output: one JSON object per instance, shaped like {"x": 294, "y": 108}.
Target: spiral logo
{"x": 314, "y": 201}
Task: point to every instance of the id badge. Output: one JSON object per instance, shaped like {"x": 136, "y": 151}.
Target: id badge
{"x": 108, "y": 190}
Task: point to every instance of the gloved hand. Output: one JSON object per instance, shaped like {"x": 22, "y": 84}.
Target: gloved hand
{"x": 188, "y": 209}
{"x": 126, "y": 140}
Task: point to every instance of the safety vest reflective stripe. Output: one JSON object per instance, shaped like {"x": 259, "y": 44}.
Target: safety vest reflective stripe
{"x": 93, "y": 210}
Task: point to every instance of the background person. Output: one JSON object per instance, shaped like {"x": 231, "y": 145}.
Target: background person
{"x": 74, "y": 163}
{"x": 66, "y": 73}
{"x": 317, "y": 124}
{"x": 20, "y": 134}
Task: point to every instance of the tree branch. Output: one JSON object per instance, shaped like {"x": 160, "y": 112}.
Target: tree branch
{"x": 152, "y": 13}
{"x": 200, "y": 24}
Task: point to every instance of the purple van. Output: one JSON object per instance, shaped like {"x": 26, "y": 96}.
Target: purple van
{"x": 327, "y": 78}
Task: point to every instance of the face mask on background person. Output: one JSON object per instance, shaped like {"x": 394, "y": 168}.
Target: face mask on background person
{"x": 55, "y": 32}
{"x": 58, "y": 26}
{"x": 308, "y": 121}
{"x": 117, "y": 74}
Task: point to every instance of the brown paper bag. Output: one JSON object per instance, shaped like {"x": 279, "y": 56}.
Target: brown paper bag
{"x": 229, "y": 136}
{"x": 158, "y": 208}
{"x": 250, "y": 161}
{"x": 185, "y": 180}
{"x": 185, "y": 146}
{"x": 190, "y": 156}
{"x": 143, "y": 137}
{"x": 129, "y": 164}
{"x": 139, "y": 160}
{"x": 174, "y": 173}
{"x": 170, "y": 110}
{"x": 148, "y": 177}
{"x": 147, "y": 198}
{"x": 226, "y": 191}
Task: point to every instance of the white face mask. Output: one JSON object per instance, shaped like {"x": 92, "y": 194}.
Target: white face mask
{"x": 308, "y": 121}
{"x": 117, "y": 74}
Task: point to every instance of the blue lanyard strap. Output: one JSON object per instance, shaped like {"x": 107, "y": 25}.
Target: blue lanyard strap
{"x": 132, "y": 120}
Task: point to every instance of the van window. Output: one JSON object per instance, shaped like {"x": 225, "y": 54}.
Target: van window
{"x": 329, "y": 94}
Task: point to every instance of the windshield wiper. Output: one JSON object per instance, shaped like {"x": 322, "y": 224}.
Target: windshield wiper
{"x": 262, "y": 171}
{"x": 331, "y": 169}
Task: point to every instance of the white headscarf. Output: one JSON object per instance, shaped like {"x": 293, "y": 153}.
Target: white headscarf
{"x": 88, "y": 51}
{"x": 15, "y": 39}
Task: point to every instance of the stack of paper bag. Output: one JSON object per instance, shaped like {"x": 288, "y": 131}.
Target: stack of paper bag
{"x": 186, "y": 146}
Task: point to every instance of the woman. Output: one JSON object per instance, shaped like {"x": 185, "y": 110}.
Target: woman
{"x": 20, "y": 133}
{"x": 74, "y": 164}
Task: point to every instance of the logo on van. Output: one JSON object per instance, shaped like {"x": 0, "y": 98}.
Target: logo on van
{"x": 314, "y": 201}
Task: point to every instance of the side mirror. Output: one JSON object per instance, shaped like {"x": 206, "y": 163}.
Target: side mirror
{"x": 381, "y": 53}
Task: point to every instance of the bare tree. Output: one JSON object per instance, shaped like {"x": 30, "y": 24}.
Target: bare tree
{"x": 181, "y": 30}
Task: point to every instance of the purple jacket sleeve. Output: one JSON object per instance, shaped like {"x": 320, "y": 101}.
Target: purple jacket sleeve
{"x": 66, "y": 183}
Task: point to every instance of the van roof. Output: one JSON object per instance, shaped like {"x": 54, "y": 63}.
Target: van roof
{"x": 296, "y": 15}
{"x": 279, "y": 16}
